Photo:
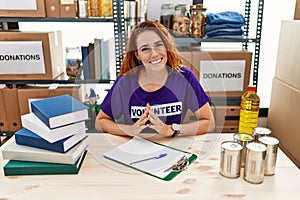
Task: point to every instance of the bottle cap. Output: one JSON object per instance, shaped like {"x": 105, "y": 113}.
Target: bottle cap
{"x": 251, "y": 88}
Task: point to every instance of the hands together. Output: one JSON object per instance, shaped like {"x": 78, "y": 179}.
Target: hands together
{"x": 150, "y": 119}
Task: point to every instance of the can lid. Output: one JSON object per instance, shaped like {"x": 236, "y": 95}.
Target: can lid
{"x": 262, "y": 131}
{"x": 251, "y": 88}
{"x": 243, "y": 137}
{"x": 255, "y": 146}
{"x": 268, "y": 140}
{"x": 232, "y": 146}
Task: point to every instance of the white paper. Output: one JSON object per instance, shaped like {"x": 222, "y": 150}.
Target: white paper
{"x": 222, "y": 75}
{"x": 22, "y": 57}
{"x": 138, "y": 149}
{"x": 18, "y": 5}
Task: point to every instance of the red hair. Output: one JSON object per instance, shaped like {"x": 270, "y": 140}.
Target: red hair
{"x": 130, "y": 62}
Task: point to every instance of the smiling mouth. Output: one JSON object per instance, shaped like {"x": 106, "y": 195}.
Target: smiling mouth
{"x": 156, "y": 61}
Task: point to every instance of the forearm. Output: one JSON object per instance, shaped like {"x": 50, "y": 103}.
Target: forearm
{"x": 197, "y": 127}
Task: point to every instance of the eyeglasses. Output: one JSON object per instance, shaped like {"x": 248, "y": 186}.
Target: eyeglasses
{"x": 159, "y": 46}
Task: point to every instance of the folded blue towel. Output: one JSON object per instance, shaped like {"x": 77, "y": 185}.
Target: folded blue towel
{"x": 211, "y": 27}
{"x": 225, "y": 31}
{"x": 226, "y": 36}
{"x": 225, "y": 17}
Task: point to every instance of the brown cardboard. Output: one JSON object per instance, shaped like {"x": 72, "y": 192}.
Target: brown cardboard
{"x": 186, "y": 57}
{"x": 283, "y": 118}
{"x": 52, "y": 51}
{"x": 3, "y": 120}
{"x": 197, "y": 56}
{"x": 52, "y": 8}
{"x": 226, "y": 118}
{"x": 288, "y": 59}
{"x": 297, "y": 10}
{"x": 39, "y": 12}
{"x": 24, "y": 94}
{"x": 12, "y": 109}
{"x": 67, "y": 9}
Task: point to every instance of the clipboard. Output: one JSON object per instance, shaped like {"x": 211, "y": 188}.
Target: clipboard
{"x": 145, "y": 159}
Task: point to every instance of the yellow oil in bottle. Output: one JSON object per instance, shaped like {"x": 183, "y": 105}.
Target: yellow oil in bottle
{"x": 249, "y": 111}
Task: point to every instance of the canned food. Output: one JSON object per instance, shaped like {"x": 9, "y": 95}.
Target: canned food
{"x": 243, "y": 139}
{"x": 255, "y": 162}
{"x": 272, "y": 147}
{"x": 260, "y": 132}
{"x": 230, "y": 159}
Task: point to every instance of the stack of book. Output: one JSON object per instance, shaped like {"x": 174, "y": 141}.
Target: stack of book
{"x": 52, "y": 140}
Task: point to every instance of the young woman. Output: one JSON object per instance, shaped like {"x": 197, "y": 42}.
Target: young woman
{"x": 153, "y": 91}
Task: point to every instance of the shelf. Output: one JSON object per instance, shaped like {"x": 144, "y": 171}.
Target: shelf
{"x": 21, "y": 82}
{"x": 45, "y": 19}
{"x": 185, "y": 40}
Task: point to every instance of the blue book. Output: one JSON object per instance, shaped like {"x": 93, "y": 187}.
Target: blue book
{"x": 85, "y": 62}
{"x": 59, "y": 110}
{"x": 29, "y": 138}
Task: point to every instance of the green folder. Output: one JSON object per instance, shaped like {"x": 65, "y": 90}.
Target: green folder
{"x": 118, "y": 156}
{"x": 16, "y": 167}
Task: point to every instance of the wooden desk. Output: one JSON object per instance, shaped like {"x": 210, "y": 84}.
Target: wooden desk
{"x": 100, "y": 178}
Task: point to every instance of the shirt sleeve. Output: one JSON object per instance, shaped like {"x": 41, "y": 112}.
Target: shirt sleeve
{"x": 111, "y": 103}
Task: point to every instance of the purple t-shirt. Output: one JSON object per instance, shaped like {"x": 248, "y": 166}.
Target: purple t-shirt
{"x": 126, "y": 100}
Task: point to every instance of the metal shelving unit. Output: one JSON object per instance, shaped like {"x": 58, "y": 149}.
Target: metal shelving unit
{"x": 245, "y": 40}
{"x": 119, "y": 34}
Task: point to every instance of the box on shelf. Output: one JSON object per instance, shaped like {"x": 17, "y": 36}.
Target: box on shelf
{"x": 186, "y": 56}
{"x": 67, "y": 9}
{"x": 3, "y": 120}
{"x": 283, "y": 118}
{"x": 222, "y": 73}
{"x": 226, "y": 118}
{"x": 52, "y": 8}
{"x": 24, "y": 8}
{"x": 10, "y": 98}
{"x": 31, "y": 55}
{"x": 30, "y": 93}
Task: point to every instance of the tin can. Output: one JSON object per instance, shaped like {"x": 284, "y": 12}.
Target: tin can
{"x": 255, "y": 162}
{"x": 230, "y": 159}
{"x": 260, "y": 132}
{"x": 243, "y": 139}
{"x": 272, "y": 147}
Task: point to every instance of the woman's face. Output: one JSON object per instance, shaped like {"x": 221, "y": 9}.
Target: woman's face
{"x": 151, "y": 51}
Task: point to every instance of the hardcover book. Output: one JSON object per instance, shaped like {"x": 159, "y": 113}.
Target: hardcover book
{"x": 33, "y": 123}
{"x": 15, "y": 167}
{"x": 59, "y": 110}
{"x": 28, "y": 138}
{"x": 12, "y": 151}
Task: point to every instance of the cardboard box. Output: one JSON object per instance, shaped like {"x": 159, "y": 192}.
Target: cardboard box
{"x": 43, "y": 51}
{"x": 297, "y": 10}
{"x": 288, "y": 59}
{"x": 52, "y": 8}
{"x": 24, "y": 8}
{"x": 12, "y": 109}
{"x": 67, "y": 9}
{"x": 283, "y": 118}
{"x": 222, "y": 73}
{"x": 226, "y": 118}
{"x": 186, "y": 58}
{"x": 3, "y": 120}
{"x": 27, "y": 93}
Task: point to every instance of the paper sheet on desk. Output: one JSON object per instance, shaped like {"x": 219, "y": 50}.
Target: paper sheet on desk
{"x": 138, "y": 149}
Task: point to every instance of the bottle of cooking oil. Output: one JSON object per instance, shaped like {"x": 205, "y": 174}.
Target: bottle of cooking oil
{"x": 249, "y": 110}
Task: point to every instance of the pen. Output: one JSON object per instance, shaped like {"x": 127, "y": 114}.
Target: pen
{"x": 155, "y": 157}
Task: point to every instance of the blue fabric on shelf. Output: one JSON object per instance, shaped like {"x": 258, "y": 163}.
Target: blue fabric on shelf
{"x": 212, "y": 27}
{"x": 232, "y": 17}
{"x": 225, "y": 31}
{"x": 226, "y": 36}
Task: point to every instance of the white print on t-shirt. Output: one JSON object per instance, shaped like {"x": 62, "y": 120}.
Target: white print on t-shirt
{"x": 160, "y": 110}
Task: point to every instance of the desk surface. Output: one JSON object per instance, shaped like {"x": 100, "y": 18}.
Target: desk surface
{"x": 100, "y": 178}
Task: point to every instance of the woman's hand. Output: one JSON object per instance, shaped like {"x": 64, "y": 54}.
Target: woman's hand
{"x": 158, "y": 125}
